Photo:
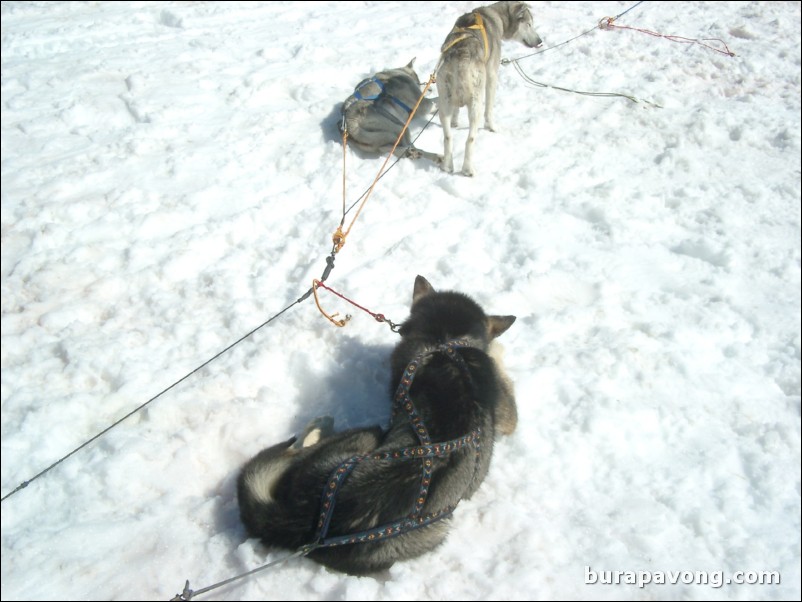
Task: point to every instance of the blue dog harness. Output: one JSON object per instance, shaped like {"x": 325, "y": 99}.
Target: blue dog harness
{"x": 375, "y": 80}
{"x": 425, "y": 451}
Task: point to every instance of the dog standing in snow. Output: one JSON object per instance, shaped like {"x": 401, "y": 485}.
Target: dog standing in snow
{"x": 467, "y": 75}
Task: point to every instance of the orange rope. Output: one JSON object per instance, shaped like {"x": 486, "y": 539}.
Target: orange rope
{"x": 339, "y": 236}
{"x": 345, "y": 139}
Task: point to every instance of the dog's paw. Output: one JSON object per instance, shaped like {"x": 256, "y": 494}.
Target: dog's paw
{"x": 317, "y": 429}
{"x": 447, "y": 165}
{"x": 467, "y": 170}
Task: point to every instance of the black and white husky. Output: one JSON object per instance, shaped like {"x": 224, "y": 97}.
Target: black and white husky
{"x": 359, "y": 500}
{"x": 375, "y": 114}
{"x": 467, "y": 75}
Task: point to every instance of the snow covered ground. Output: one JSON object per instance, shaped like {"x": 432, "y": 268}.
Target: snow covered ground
{"x": 171, "y": 178}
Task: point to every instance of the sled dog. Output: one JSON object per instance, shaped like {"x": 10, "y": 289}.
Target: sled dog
{"x": 376, "y": 112}
{"x": 359, "y": 500}
{"x": 467, "y": 74}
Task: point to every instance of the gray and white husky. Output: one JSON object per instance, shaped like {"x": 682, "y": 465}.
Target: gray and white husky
{"x": 376, "y": 112}
{"x": 467, "y": 75}
{"x": 359, "y": 500}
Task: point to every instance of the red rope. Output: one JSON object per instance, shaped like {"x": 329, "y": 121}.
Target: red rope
{"x": 607, "y": 23}
{"x": 376, "y": 316}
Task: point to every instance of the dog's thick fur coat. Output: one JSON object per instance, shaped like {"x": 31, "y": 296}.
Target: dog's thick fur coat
{"x": 279, "y": 490}
{"x": 468, "y": 71}
{"x": 376, "y": 112}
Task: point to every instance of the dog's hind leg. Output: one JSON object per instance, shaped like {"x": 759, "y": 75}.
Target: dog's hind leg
{"x": 406, "y": 149}
{"x": 433, "y": 157}
{"x": 318, "y": 429}
{"x": 260, "y": 475}
{"x": 272, "y": 488}
{"x": 506, "y": 412}
{"x": 413, "y": 152}
{"x": 475, "y": 110}
{"x": 448, "y": 158}
{"x": 474, "y": 113}
{"x": 490, "y": 97}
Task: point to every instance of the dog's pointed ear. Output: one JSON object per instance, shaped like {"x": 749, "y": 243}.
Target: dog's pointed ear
{"x": 498, "y": 325}
{"x": 411, "y": 63}
{"x": 422, "y": 288}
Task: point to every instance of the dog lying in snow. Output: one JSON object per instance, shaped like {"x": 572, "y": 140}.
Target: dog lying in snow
{"x": 376, "y": 112}
{"x": 359, "y": 500}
